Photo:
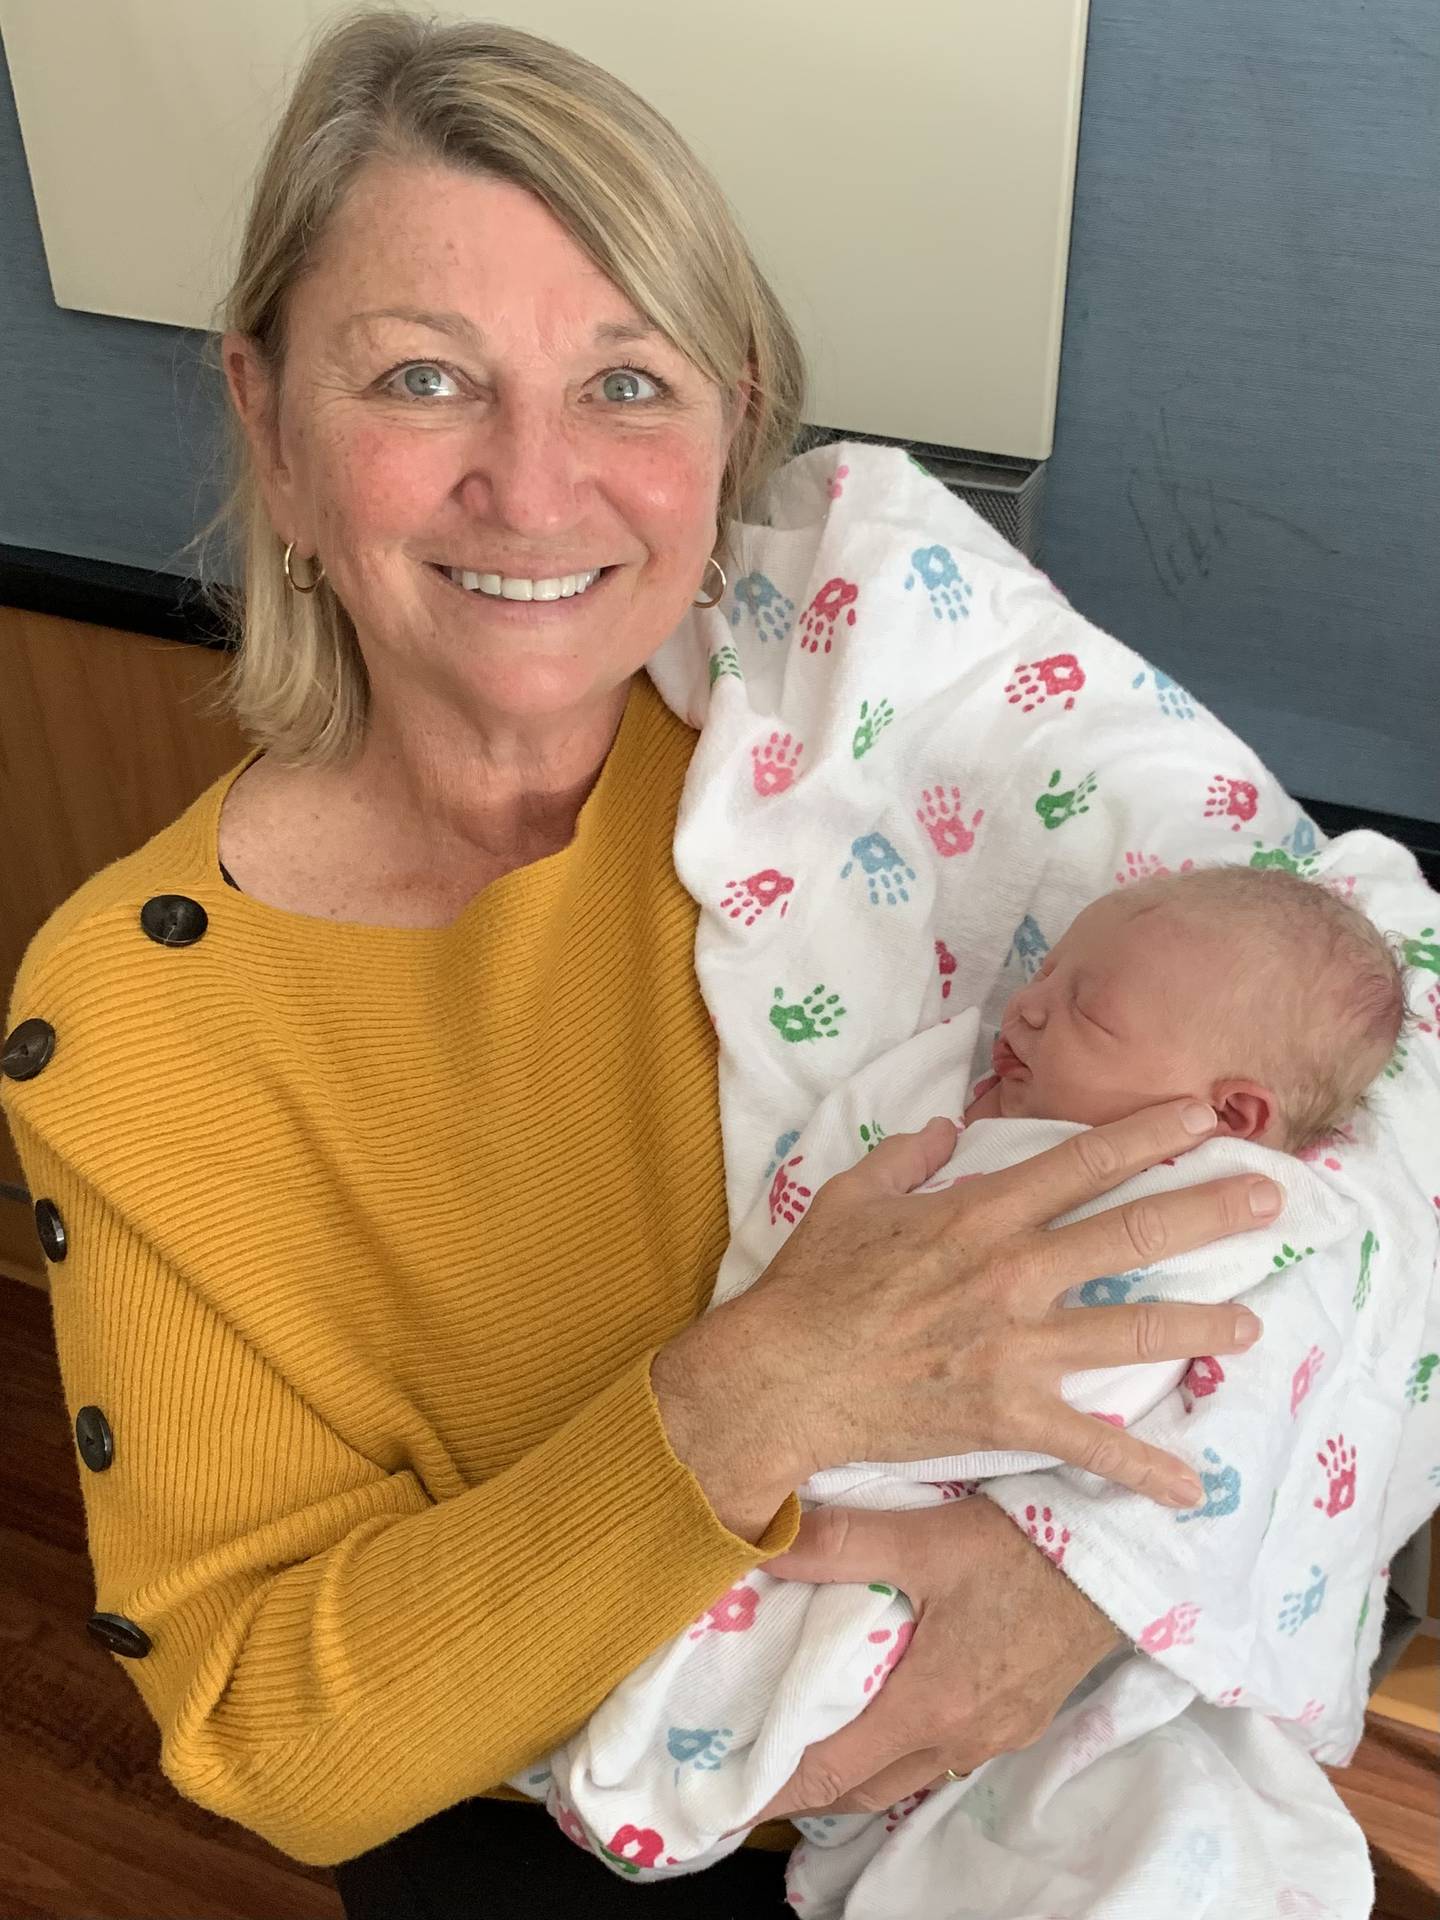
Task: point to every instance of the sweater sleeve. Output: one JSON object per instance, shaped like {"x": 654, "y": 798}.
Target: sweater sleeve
{"x": 334, "y": 1656}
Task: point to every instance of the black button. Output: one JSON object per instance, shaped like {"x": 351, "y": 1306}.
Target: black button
{"x": 28, "y": 1049}
{"x": 94, "y": 1439}
{"x": 118, "y": 1635}
{"x": 51, "y": 1229}
{"x": 174, "y": 919}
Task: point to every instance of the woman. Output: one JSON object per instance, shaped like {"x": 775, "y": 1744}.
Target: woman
{"x": 377, "y": 1431}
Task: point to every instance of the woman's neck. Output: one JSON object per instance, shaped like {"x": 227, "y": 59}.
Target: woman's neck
{"x": 510, "y": 790}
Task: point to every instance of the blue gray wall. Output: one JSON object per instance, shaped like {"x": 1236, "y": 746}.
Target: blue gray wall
{"x": 1246, "y": 480}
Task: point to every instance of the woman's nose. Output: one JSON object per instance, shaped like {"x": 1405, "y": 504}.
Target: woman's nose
{"x": 526, "y": 469}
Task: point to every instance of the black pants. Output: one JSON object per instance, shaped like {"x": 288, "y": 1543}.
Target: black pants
{"x": 499, "y": 1860}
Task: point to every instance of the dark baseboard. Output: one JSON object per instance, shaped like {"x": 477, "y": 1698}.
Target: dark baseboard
{"x": 172, "y": 606}
{"x": 103, "y": 593}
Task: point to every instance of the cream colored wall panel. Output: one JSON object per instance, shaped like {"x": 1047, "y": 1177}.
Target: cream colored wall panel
{"x": 904, "y": 172}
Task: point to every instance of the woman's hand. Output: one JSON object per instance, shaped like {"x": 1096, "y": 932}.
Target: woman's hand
{"x": 1001, "y": 1640}
{"x": 895, "y": 1325}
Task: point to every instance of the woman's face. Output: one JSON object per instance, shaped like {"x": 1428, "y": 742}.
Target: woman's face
{"x": 529, "y": 427}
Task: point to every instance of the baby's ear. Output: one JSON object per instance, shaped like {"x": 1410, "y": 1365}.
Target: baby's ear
{"x": 1243, "y": 1108}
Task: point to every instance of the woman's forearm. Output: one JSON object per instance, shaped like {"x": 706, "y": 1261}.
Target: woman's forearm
{"x": 723, "y": 1420}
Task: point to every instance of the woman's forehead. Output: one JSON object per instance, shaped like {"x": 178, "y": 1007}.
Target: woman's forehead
{"x": 481, "y": 251}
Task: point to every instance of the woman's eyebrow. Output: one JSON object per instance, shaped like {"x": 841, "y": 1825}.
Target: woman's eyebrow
{"x": 460, "y": 327}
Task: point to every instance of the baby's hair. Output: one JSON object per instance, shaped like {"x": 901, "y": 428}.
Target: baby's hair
{"x": 1331, "y": 986}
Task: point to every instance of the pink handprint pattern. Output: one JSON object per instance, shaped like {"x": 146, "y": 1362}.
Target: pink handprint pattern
{"x": 943, "y": 819}
{"x": 900, "y": 1640}
{"x": 1304, "y": 1378}
{"x": 1338, "y": 1460}
{"x": 788, "y": 1198}
{"x": 836, "y": 598}
{"x": 733, "y": 1612}
{"x": 775, "y": 764}
{"x": 571, "y": 1826}
{"x": 1048, "y": 1533}
{"x": 946, "y": 964}
{"x": 1326, "y": 1149}
{"x": 902, "y": 1809}
{"x": 1205, "y": 1375}
{"x": 636, "y": 1846}
{"x": 1173, "y": 1629}
{"x": 1147, "y": 866}
{"x": 1037, "y": 681}
{"x": 756, "y": 894}
{"x": 1234, "y": 800}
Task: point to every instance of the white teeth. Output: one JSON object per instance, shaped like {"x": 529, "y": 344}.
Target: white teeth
{"x": 563, "y": 587}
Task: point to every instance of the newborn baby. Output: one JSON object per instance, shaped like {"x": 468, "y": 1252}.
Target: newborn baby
{"x": 1266, "y": 995}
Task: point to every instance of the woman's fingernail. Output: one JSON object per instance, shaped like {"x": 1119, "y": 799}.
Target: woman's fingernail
{"x": 1197, "y": 1117}
{"x": 1185, "y": 1492}
{"x": 1247, "y": 1328}
{"x": 1265, "y": 1199}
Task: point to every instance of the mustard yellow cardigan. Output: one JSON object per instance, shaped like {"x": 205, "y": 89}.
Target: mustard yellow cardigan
{"x": 361, "y": 1240}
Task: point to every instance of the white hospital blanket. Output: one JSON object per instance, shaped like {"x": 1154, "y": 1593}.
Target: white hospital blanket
{"x": 916, "y": 764}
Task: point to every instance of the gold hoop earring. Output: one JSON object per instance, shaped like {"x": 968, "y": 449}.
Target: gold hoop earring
{"x": 720, "y": 595}
{"x": 319, "y": 573}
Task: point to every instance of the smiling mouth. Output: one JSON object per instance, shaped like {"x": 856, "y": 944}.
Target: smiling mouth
{"x": 497, "y": 590}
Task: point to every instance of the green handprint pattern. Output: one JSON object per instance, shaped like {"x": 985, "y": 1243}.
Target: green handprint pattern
{"x": 725, "y": 660}
{"x": 1368, "y": 1248}
{"x": 1055, "y": 808}
{"x": 816, "y": 1017}
{"x": 1288, "y": 1257}
{"x": 872, "y": 725}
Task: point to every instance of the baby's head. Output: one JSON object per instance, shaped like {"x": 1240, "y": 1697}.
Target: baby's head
{"x": 1266, "y": 995}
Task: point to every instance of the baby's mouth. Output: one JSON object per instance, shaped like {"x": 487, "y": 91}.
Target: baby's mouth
{"x": 1004, "y": 1059}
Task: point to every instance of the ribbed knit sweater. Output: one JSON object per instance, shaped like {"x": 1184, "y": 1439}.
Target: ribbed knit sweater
{"x": 370, "y": 1235}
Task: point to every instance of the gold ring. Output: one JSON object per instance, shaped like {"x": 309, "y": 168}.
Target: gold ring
{"x": 950, "y": 1774}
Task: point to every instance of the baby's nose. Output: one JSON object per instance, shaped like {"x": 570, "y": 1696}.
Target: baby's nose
{"x": 1031, "y": 1012}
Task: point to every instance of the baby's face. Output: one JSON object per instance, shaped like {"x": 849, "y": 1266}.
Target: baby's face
{"x": 1118, "y": 1017}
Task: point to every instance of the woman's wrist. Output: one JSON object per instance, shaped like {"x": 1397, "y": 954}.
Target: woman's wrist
{"x": 724, "y": 1426}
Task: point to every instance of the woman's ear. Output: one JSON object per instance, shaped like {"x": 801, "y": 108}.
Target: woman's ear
{"x": 1243, "y": 1108}
{"x": 256, "y": 402}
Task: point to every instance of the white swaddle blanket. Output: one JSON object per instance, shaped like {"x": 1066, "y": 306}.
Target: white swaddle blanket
{"x": 916, "y": 765}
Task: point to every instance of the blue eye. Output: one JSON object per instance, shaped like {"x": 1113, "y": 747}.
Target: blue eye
{"x": 632, "y": 374}
{"x": 431, "y": 368}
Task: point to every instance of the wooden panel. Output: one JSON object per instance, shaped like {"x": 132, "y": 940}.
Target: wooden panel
{"x": 1410, "y": 1692}
{"x": 104, "y": 739}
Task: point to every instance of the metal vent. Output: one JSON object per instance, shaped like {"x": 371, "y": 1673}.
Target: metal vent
{"x": 1006, "y": 491}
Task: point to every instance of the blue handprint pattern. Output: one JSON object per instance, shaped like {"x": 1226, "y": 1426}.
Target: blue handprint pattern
{"x": 884, "y": 869}
{"x": 1175, "y": 702}
{"x": 1029, "y": 946}
{"x": 1115, "y": 1289}
{"x": 936, "y": 571}
{"x": 1299, "y": 1606}
{"x": 781, "y": 1147}
{"x": 1222, "y": 1491}
{"x": 770, "y": 609}
{"x": 704, "y": 1748}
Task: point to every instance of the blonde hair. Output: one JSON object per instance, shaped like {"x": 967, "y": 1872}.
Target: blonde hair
{"x": 504, "y": 104}
{"x": 1317, "y": 991}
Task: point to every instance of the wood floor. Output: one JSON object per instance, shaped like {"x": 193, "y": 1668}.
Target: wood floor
{"x": 91, "y": 1830}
